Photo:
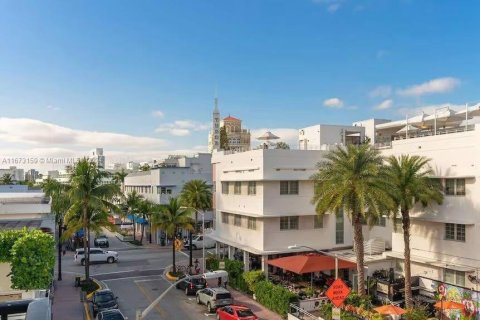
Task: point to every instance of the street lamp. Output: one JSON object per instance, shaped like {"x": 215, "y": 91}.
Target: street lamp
{"x": 203, "y": 241}
{"x": 296, "y": 246}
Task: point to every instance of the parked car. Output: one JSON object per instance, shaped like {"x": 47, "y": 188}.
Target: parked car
{"x": 214, "y": 298}
{"x": 199, "y": 241}
{"x": 192, "y": 285}
{"x": 235, "y": 312}
{"x": 103, "y": 300}
{"x": 113, "y": 314}
{"x": 101, "y": 241}
{"x": 96, "y": 255}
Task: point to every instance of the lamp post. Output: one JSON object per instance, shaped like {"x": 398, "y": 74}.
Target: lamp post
{"x": 203, "y": 241}
{"x": 296, "y": 246}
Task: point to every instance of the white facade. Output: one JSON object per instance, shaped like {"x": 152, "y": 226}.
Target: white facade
{"x": 16, "y": 173}
{"x": 214, "y": 135}
{"x": 97, "y": 156}
{"x": 163, "y": 182}
{"x": 324, "y": 136}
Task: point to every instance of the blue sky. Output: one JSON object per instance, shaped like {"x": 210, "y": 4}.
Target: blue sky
{"x": 89, "y": 66}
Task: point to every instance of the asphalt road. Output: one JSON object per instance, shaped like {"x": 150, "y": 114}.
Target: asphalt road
{"x": 137, "y": 280}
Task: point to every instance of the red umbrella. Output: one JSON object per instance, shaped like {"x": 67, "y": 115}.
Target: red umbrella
{"x": 307, "y": 263}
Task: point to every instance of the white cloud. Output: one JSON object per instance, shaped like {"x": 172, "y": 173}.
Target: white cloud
{"x": 382, "y": 91}
{"x": 333, "y": 103}
{"x": 439, "y": 85}
{"x": 331, "y": 5}
{"x": 182, "y": 128}
{"x": 50, "y": 107}
{"x": 386, "y": 104}
{"x": 35, "y": 132}
{"x": 158, "y": 114}
{"x": 287, "y": 135}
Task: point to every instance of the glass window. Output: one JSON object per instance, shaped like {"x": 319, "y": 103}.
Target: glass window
{"x": 252, "y": 187}
{"x": 237, "y": 220}
{"x": 293, "y": 223}
{"x": 339, "y": 228}
{"x": 449, "y": 276}
{"x": 225, "y": 217}
{"x": 225, "y": 186}
{"x": 317, "y": 221}
{"x": 460, "y": 232}
{"x": 460, "y": 187}
{"x": 454, "y": 277}
{"x": 283, "y": 187}
{"x": 237, "y": 187}
{"x": 283, "y": 223}
{"x": 252, "y": 223}
{"x": 449, "y": 231}
{"x": 450, "y": 187}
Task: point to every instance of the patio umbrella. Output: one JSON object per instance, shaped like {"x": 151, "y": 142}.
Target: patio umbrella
{"x": 447, "y": 305}
{"x": 408, "y": 128}
{"x": 390, "y": 309}
{"x": 268, "y": 136}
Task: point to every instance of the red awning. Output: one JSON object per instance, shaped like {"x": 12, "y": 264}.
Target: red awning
{"x": 307, "y": 263}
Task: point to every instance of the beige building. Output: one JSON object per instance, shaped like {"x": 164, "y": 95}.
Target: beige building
{"x": 238, "y": 138}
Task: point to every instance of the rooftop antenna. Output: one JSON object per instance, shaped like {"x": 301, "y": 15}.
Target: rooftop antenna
{"x": 216, "y": 99}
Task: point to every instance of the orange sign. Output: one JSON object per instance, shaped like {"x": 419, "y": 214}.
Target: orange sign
{"x": 338, "y": 292}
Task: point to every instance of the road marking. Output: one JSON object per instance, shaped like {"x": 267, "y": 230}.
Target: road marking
{"x": 114, "y": 272}
{"x": 148, "y": 280}
{"x": 87, "y": 310}
{"x": 186, "y": 255}
{"x": 157, "y": 307}
{"x": 133, "y": 277}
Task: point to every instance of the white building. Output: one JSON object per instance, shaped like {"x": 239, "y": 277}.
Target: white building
{"x": 97, "y": 156}
{"x": 16, "y": 173}
{"x": 262, "y": 200}
{"x": 214, "y": 135}
{"x": 133, "y": 166}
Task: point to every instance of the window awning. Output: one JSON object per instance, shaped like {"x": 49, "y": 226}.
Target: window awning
{"x": 307, "y": 263}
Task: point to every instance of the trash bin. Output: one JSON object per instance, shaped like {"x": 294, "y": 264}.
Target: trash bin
{"x": 162, "y": 242}
{"x": 77, "y": 282}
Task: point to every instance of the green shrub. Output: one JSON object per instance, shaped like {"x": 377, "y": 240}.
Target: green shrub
{"x": 211, "y": 262}
{"x": 136, "y": 242}
{"x": 89, "y": 286}
{"x": 252, "y": 278}
{"x": 274, "y": 297}
{"x": 7, "y": 240}
{"x": 235, "y": 274}
{"x": 418, "y": 313}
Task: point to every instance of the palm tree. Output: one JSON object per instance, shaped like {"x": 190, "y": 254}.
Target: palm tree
{"x": 133, "y": 202}
{"x": 196, "y": 194}
{"x": 409, "y": 184}
{"x": 173, "y": 217}
{"x": 6, "y": 179}
{"x": 119, "y": 177}
{"x": 88, "y": 196}
{"x": 60, "y": 202}
{"x": 349, "y": 180}
{"x": 146, "y": 208}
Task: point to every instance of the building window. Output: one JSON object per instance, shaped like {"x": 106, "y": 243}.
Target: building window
{"x": 317, "y": 221}
{"x": 455, "y": 232}
{"x": 455, "y": 187}
{"x": 237, "y": 187}
{"x": 225, "y": 186}
{"x": 339, "y": 228}
{"x": 252, "y": 188}
{"x": 237, "y": 220}
{"x": 288, "y": 187}
{"x": 225, "y": 217}
{"x": 288, "y": 223}
{"x": 454, "y": 277}
{"x": 252, "y": 223}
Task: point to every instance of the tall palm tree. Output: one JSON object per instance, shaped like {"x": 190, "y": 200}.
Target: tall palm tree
{"x": 89, "y": 195}
{"x": 409, "y": 184}
{"x": 145, "y": 208}
{"x": 6, "y": 179}
{"x": 119, "y": 177}
{"x": 133, "y": 201}
{"x": 60, "y": 202}
{"x": 173, "y": 217}
{"x": 349, "y": 181}
{"x": 196, "y": 194}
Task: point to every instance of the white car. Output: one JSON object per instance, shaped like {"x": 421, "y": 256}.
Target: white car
{"x": 198, "y": 242}
{"x": 96, "y": 255}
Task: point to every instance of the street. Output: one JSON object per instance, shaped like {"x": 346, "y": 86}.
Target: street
{"x": 137, "y": 280}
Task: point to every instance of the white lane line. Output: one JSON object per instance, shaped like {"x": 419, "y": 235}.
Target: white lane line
{"x": 148, "y": 280}
{"x": 137, "y": 277}
{"x": 186, "y": 255}
{"x": 141, "y": 270}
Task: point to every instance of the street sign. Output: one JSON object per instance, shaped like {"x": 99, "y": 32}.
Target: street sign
{"x": 178, "y": 244}
{"x": 335, "y": 313}
{"x": 338, "y": 292}
{"x": 221, "y": 265}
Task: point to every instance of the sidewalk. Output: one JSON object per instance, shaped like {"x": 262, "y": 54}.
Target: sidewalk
{"x": 66, "y": 300}
{"x": 257, "y": 308}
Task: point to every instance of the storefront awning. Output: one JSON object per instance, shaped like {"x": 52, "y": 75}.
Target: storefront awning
{"x": 307, "y": 263}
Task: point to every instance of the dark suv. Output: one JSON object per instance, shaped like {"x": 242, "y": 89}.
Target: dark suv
{"x": 192, "y": 285}
{"x": 104, "y": 300}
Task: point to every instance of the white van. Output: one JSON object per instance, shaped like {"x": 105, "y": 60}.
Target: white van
{"x": 217, "y": 278}
{"x": 199, "y": 241}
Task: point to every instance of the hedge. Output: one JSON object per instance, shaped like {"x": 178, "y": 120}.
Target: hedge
{"x": 274, "y": 297}
{"x": 252, "y": 278}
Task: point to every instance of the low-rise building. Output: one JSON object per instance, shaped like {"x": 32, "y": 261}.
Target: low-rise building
{"x": 17, "y": 174}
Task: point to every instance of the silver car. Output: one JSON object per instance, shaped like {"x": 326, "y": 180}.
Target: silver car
{"x": 214, "y": 298}
{"x": 96, "y": 255}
